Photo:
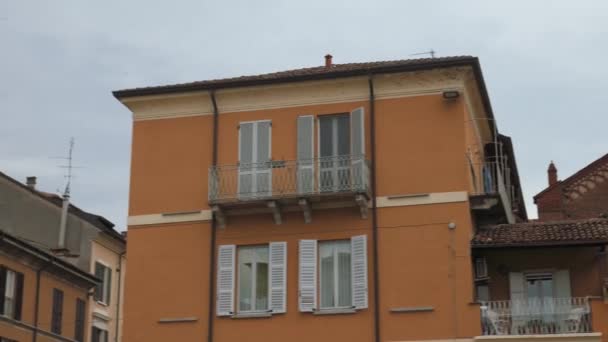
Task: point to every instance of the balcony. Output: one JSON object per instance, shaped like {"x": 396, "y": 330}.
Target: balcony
{"x": 493, "y": 193}
{"x": 293, "y": 185}
{"x": 538, "y": 316}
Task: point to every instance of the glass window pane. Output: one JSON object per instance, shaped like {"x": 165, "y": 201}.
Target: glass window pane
{"x": 344, "y": 274}
{"x": 343, "y": 147}
{"x": 261, "y": 293}
{"x": 326, "y": 255}
{"x": 245, "y": 279}
{"x": 326, "y": 136}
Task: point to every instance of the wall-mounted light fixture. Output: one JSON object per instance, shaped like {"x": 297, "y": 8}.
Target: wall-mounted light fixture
{"x": 451, "y": 94}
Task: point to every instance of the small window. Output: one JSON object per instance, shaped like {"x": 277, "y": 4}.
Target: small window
{"x": 335, "y": 274}
{"x": 483, "y": 293}
{"x": 57, "y": 313}
{"x": 99, "y": 335}
{"x": 103, "y": 289}
{"x": 79, "y": 321}
{"x": 481, "y": 268}
{"x": 11, "y": 293}
{"x": 253, "y": 278}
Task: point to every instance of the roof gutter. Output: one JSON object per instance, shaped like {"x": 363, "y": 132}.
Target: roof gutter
{"x": 542, "y": 244}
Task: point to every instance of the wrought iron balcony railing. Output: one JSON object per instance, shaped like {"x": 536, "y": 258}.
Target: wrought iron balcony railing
{"x": 536, "y": 316}
{"x": 293, "y": 178}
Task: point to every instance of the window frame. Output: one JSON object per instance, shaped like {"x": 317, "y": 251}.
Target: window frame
{"x": 102, "y": 294}
{"x": 79, "y": 320}
{"x": 336, "y": 284}
{"x": 253, "y": 281}
{"x": 57, "y": 311}
{"x": 16, "y": 299}
{"x": 102, "y": 334}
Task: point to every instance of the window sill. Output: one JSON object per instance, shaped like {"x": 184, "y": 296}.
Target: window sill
{"x": 340, "y": 311}
{"x": 102, "y": 303}
{"x": 242, "y": 315}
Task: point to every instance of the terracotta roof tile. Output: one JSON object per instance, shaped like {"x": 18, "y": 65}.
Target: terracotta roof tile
{"x": 572, "y": 232}
{"x": 319, "y": 72}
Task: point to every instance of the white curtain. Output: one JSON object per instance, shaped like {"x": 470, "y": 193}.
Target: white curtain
{"x": 336, "y": 280}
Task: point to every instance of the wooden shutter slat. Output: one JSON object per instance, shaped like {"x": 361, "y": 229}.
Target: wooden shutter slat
{"x": 108, "y": 285}
{"x": 2, "y": 288}
{"x": 278, "y": 276}
{"x": 99, "y": 273}
{"x": 18, "y": 295}
{"x": 308, "y": 275}
{"x": 359, "y": 271}
{"x": 225, "y": 280}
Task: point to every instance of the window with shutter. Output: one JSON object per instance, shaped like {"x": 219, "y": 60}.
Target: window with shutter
{"x": 79, "y": 320}
{"x": 103, "y": 289}
{"x": 359, "y": 271}
{"x": 225, "y": 280}
{"x": 253, "y": 278}
{"x": 255, "y": 171}
{"x": 11, "y": 293}
{"x": 357, "y": 147}
{"x": 99, "y": 335}
{"x": 57, "y": 313}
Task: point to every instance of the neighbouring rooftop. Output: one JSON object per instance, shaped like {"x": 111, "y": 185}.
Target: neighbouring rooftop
{"x": 530, "y": 234}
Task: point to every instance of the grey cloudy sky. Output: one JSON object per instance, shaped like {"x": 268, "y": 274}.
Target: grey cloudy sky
{"x": 543, "y": 61}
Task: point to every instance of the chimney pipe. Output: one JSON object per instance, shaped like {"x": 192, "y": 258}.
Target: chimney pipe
{"x": 31, "y": 182}
{"x": 552, "y": 174}
{"x": 328, "y": 62}
{"x": 64, "y": 221}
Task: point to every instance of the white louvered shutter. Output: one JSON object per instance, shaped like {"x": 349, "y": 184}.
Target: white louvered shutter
{"x": 308, "y": 275}
{"x": 278, "y": 276}
{"x": 263, "y": 173}
{"x": 305, "y": 154}
{"x": 357, "y": 148}
{"x": 225, "y": 280}
{"x": 246, "y": 159}
{"x": 518, "y": 305}
{"x": 359, "y": 271}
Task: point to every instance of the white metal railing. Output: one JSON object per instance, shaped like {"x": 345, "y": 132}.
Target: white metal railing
{"x": 536, "y": 316}
{"x": 291, "y": 178}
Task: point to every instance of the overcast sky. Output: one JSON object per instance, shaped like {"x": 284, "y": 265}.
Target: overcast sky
{"x": 544, "y": 63}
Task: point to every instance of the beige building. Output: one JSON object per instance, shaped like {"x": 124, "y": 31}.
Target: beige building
{"x": 90, "y": 243}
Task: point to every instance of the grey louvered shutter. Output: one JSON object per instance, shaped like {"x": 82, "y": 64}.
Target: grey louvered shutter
{"x": 278, "y": 276}
{"x": 108, "y": 285}
{"x": 18, "y": 295}
{"x": 518, "y": 304}
{"x": 305, "y": 154}
{"x": 246, "y": 159}
{"x": 357, "y": 149}
{"x": 225, "y": 280}
{"x": 2, "y": 288}
{"x": 308, "y": 275}
{"x": 99, "y": 273}
{"x": 263, "y": 174}
{"x": 562, "y": 284}
{"x": 359, "y": 271}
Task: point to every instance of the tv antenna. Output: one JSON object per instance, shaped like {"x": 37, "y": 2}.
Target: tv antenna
{"x": 431, "y": 52}
{"x": 70, "y": 168}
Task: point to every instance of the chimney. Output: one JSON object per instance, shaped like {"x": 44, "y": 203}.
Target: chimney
{"x": 552, "y": 173}
{"x": 328, "y": 63}
{"x": 31, "y": 182}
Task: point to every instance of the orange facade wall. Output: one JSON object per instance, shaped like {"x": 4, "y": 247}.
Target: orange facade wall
{"x": 47, "y": 283}
{"x": 421, "y": 142}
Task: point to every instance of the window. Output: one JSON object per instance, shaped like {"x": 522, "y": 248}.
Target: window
{"x": 483, "y": 293}
{"x": 253, "y": 278}
{"x": 79, "y": 321}
{"x": 11, "y": 293}
{"x": 334, "y": 151}
{"x": 341, "y": 269}
{"x": 335, "y": 274}
{"x": 539, "y": 286}
{"x": 103, "y": 289}
{"x": 255, "y": 173}
{"x": 260, "y": 279}
{"x": 4, "y": 339}
{"x": 57, "y": 314}
{"x": 99, "y": 335}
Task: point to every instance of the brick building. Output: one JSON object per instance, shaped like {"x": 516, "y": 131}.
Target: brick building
{"x": 582, "y": 195}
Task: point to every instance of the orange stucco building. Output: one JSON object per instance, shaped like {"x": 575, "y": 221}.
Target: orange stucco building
{"x": 333, "y": 203}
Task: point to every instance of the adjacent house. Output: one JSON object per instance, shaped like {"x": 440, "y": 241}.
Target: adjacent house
{"x": 89, "y": 242}
{"x": 582, "y": 195}
{"x": 331, "y": 203}
{"x": 42, "y": 298}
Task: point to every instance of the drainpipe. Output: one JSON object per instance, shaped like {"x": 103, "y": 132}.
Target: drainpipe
{"x": 117, "y": 319}
{"x": 37, "y": 299}
{"x": 213, "y": 224}
{"x": 372, "y": 116}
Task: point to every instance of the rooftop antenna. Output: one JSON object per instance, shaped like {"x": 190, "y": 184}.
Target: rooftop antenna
{"x": 66, "y": 200}
{"x": 431, "y": 52}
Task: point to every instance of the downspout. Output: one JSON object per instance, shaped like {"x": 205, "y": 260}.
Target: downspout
{"x": 213, "y": 224}
{"x": 118, "y": 306}
{"x": 37, "y": 300}
{"x": 372, "y": 117}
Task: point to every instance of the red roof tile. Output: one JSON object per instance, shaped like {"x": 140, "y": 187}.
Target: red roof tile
{"x": 572, "y": 232}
